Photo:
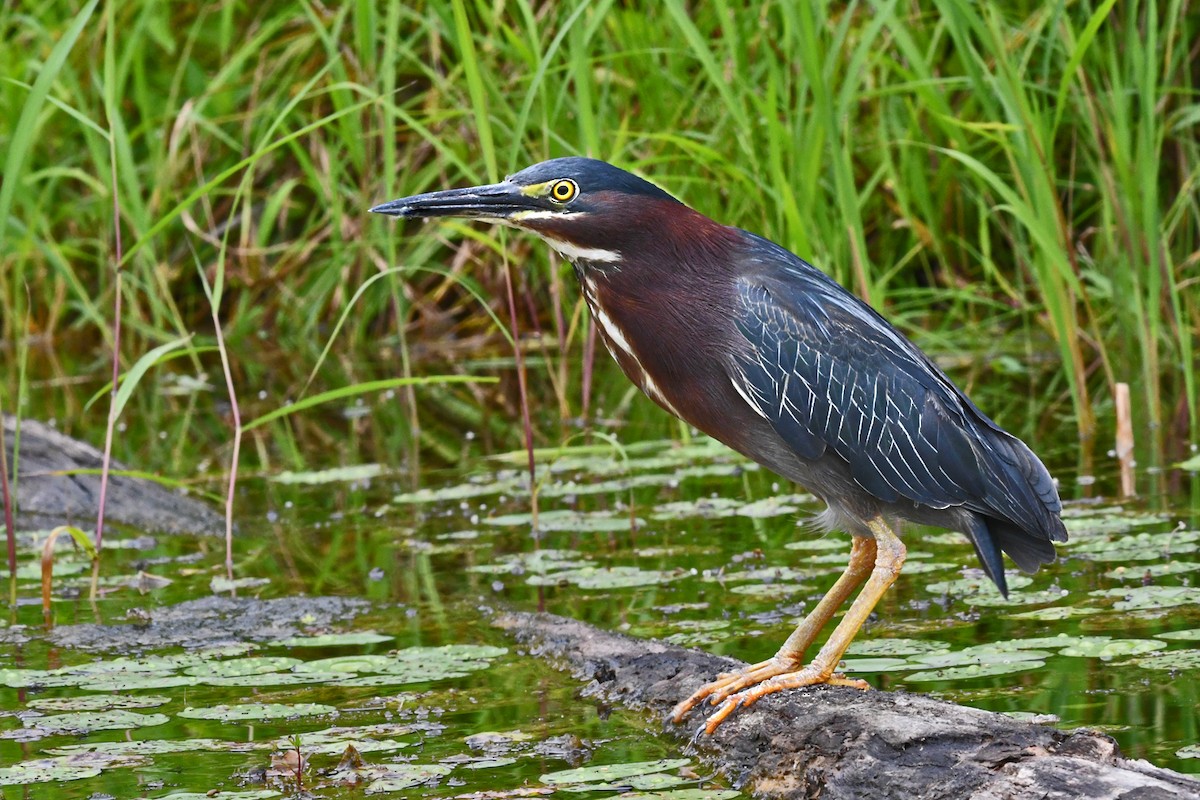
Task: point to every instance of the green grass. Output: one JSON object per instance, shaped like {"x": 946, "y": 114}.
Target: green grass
{"x": 1001, "y": 178}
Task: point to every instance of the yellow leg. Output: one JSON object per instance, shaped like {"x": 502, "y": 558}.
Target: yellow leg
{"x": 791, "y": 655}
{"x": 783, "y": 671}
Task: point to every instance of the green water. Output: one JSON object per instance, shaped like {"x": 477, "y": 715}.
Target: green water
{"x": 686, "y": 543}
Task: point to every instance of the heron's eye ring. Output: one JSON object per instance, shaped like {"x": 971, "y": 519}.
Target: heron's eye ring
{"x": 564, "y": 191}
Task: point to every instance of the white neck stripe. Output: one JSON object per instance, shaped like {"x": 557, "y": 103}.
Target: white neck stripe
{"x": 575, "y": 253}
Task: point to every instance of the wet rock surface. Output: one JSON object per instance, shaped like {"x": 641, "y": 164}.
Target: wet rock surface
{"x": 838, "y": 742}
{"x": 213, "y": 622}
{"x": 46, "y": 497}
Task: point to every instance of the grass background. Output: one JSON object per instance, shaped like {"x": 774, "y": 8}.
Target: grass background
{"x": 1013, "y": 183}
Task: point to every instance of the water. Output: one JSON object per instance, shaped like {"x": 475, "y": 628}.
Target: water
{"x": 686, "y": 543}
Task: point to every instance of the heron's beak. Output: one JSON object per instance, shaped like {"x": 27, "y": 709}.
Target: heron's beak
{"x": 495, "y": 201}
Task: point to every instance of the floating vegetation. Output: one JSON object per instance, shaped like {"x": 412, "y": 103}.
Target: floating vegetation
{"x": 220, "y": 794}
{"x": 97, "y": 702}
{"x": 830, "y": 541}
{"x": 704, "y": 508}
{"x": 354, "y": 473}
{"x": 457, "y": 492}
{"x": 246, "y": 665}
{"x": 697, "y": 632}
{"x": 1145, "y": 546}
{"x": 978, "y": 670}
{"x": 896, "y": 647}
{"x": 1192, "y": 634}
{"x": 607, "y": 774}
{"x": 348, "y": 639}
{"x": 1084, "y": 523}
{"x": 873, "y": 664}
{"x": 64, "y": 768}
{"x": 82, "y": 723}
{"x": 594, "y": 577}
{"x": 1056, "y": 613}
{"x": 258, "y": 712}
{"x": 1107, "y": 648}
{"x": 536, "y": 561}
{"x": 971, "y": 589}
{"x": 411, "y": 665}
{"x": 385, "y": 778}
{"x": 564, "y": 519}
{"x": 765, "y": 590}
{"x": 733, "y": 575}
{"x": 1174, "y": 660}
{"x": 1141, "y": 572}
{"x": 1150, "y": 598}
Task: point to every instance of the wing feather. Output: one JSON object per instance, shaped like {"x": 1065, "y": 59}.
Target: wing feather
{"x": 831, "y": 374}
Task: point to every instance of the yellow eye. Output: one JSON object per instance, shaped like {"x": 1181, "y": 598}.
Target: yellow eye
{"x": 564, "y": 191}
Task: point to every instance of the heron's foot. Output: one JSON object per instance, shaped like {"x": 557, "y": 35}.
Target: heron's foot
{"x": 747, "y": 686}
{"x": 730, "y": 683}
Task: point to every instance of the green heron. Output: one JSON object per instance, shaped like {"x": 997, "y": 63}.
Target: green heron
{"x": 759, "y": 349}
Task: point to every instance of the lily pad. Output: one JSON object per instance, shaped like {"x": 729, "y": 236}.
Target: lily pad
{"x": 765, "y": 574}
{"x": 255, "y": 712}
{"x": 221, "y": 794}
{"x": 1139, "y": 572}
{"x": 970, "y": 589}
{"x": 270, "y": 679}
{"x": 355, "y": 473}
{"x": 1017, "y": 598}
{"x": 411, "y": 665}
{"x": 873, "y": 664}
{"x": 153, "y": 747}
{"x": 143, "y": 680}
{"x": 568, "y": 520}
{"x": 352, "y": 664}
{"x": 768, "y": 590}
{"x": 704, "y": 508}
{"x": 63, "y": 768}
{"x": 354, "y": 638}
{"x": 1192, "y": 634}
{"x": 83, "y": 722}
{"x": 397, "y": 777}
{"x": 774, "y": 506}
{"x": 828, "y": 542}
{"x": 974, "y": 671}
{"x": 1087, "y": 523}
{"x": 1056, "y": 613}
{"x": 591, "y": 577}
{"x": 98, "y": 702}
{"x": 1106, "y": 648}
{"x": 1150, "y": 598}
{"x": 684, "y": 794}
{"x": 220, "y": 585}
{"x": 1175, "y": 660}
{"x": 1143, "y": 546}
{"x": 252, "y": 665}
{"x": 462, "y": 491}
{"x": 896, "y": 647}
{"x": 537, "y": 561}
{"x": 606, "y": 773}
{"x": 980, "y": 655}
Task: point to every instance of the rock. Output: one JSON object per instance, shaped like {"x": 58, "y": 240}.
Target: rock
{"x": 838, "y": 743}
{"x": 48, "y": 494}
{"x": 213, "y": 622}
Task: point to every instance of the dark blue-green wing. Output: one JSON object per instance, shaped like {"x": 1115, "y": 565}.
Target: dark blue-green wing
{"x": 828, "y": 373}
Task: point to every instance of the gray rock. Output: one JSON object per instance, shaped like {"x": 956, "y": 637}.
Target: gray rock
{"x": 46, "y": 497}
